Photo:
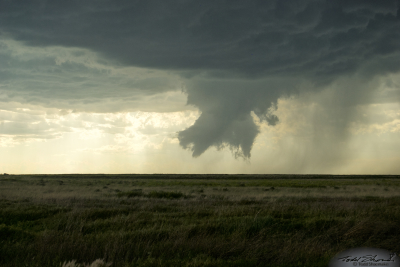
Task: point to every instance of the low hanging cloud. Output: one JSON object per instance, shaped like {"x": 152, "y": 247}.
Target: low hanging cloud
{"x": 236, "y": 58}
{"x": 78, "y": 79}
{"x": 226, "y": 118}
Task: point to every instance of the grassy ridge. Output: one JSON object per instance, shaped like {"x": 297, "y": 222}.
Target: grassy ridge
{"x": 183, "y": 225}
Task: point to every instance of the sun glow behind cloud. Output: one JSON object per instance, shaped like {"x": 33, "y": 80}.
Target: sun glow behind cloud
{"x": 75, "y": 136}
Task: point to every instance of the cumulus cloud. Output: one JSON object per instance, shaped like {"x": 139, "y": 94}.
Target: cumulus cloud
{"x": 236, "y": 58}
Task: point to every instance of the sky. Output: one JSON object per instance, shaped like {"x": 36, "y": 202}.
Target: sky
{"x": 210, "y": 86}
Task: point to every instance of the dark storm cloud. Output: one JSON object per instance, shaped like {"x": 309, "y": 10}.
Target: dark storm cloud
{"x": 307, "y": 37}
{"x": 316, "y": 40}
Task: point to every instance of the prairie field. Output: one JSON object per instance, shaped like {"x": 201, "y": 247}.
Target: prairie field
{"x": 194, "y": 220}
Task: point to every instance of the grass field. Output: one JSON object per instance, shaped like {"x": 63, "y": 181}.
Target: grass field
{"x": 194, "y": 220}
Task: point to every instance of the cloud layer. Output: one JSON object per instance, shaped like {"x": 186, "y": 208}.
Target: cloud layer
{"x": 312, "y": 37}
{"x": 235, "y": 58}
{"x": 77, "y": 79}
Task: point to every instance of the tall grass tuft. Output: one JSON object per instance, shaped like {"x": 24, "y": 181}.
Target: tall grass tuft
{"x": 168, "y": 195}
{"x": 96, "y": 263}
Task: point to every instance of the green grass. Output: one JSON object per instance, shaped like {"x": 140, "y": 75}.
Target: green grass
{"x": 193, "y": 222}
{"x": 132, "y": 193}
{"x": 152, "y": 194}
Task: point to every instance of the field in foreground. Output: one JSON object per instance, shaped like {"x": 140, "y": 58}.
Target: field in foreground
{"x": 194, "y": 220}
